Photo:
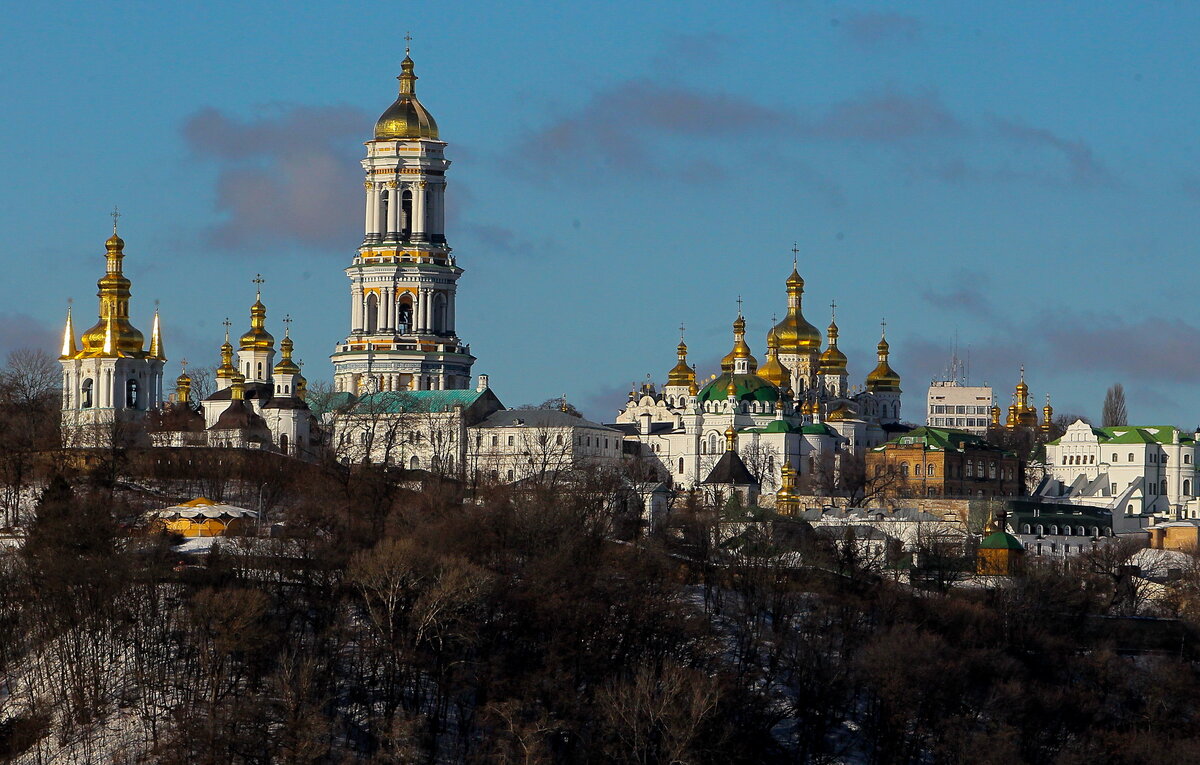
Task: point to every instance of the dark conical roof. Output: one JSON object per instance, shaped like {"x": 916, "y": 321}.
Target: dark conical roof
{"x": 730, "y": 470}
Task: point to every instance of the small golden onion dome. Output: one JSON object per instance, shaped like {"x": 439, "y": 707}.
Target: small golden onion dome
{"x": 693, "y": 389}
{"x": 257, "y": 336}
{"x": 114, "y": 243}
{"x": 681, "y": 373}
{"x": 730, "y": 438}
{"x": 731, "y": 388}
{"x": 286, "y": 366}
{"x": 406, "y": 119}
{"x": 227, "y": 371}
{"x": 740, "y": 349}
{"x": 1022, "y": 388}
{"x": 833, "y": 361}
{"x": 991, "y": 527}
{"x": 795, "y": 284}
{"x": 772, "y": 371}
{"x": 883, "y": 378}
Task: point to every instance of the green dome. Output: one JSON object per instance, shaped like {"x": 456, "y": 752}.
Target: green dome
{"x": 1001, "y": 540}
{"x": 746, "y": 388}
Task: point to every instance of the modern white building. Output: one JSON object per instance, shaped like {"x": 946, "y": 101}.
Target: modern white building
{"x": 951, "y": 404}
{"x": 1132, "y": 470}
{"x": 403, "y": 279}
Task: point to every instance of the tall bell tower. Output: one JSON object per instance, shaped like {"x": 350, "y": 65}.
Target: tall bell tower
{"x": 403, "y": 279}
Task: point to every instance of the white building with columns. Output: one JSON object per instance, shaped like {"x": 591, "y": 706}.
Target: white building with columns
{"x": 403, "y": 278}
{"x": 112, "y": 381}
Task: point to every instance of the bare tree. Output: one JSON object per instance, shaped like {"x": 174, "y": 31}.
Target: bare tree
{"x": 1114, "y": 412}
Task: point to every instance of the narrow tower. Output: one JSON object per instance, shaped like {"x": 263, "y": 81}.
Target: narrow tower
{"x": 403, "y": 279}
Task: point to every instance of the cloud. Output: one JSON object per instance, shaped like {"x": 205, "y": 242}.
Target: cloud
{"x": 887, "y": 116}
{"x": 1084, "y": 169}
{"x": 872, "y": 29}
{"x": 968, "y": 297}
{"x": 20, "y": 330}
{"x": 288, "y": 175}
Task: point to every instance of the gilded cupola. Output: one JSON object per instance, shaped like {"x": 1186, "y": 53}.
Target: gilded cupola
{"x": 740, "y": 349}
{"x": 794, "y": 334}
{"x": 113, "y": 335}
{"x": 681, "y": 374}
{"x": 883, "y": 379}
{"x": 183, "y": 387}
{"x": 406, "y": 119}
{"x": 227, "y": 371}
{"x": 833, "y": 361}
{"x": 257, "y": 336}
{"x": 286, "y": 366}
{"x": 772, "y": 371}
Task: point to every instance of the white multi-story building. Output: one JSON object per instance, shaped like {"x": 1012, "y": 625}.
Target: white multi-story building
{"x": 1132, "y": 470}
{"x": 950, "y": 404}
{"x": 403, "y": 279}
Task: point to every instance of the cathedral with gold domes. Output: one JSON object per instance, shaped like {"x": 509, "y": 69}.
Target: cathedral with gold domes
{"x": 113, "y": 384}
{"x": 792, "y": 415}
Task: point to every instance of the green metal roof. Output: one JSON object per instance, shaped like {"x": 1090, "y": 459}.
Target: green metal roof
{"x": 940, "y": 439}
{"x": 746, "y": 388}
{"x": 1001, "y": 540}
{"x": 818, "y": 429}
{"x": 778, "y": 426}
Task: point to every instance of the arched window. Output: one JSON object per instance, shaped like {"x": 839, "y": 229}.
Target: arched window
{"x": 283, "y": 443}
{"x": 1041, "y": 529}
{"x": 1131, "y": 456}
{"x": 439, "y": 314}
{"x": 404, "y": 315}
{"x": 992, "y": 470}
{"x": 1187, "y": 459}
{"x": 414, "y": 463}
{"x": 86, "y": 403}
{"x": 1053, "y": 530}
{"x": 260, "y": 374}
{"x": 1025, "y": 529}
{"x": 131, "y": 394}
{"x": 681, "y": 465}
{"x": 372, "y": 312}
{"x": 930, "y": 470}
{"x": 1187, "y": 488}
{"x": 1080, "y": 531}
{"x": 904, "y": 469}
{"x": 1163, "y": 487}
{"x": 406, "y": 206}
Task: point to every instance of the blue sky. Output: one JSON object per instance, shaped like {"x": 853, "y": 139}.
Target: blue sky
{"x": 1024, "y": 174}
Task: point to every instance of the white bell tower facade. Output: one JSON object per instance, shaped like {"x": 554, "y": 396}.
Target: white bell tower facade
{"x": 403, "y": 280}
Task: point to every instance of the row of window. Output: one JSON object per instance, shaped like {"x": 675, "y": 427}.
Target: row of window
{"x": 1066, "y": 531}
{"x": 1090, "y": 459}
{"x": 973, "y": 470}
{"x": 960, "y": 422}
{"x": 939, "y": 409}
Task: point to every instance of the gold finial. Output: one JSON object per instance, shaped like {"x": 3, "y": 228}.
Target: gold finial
{"x": 69, "y": 350}
{"x": 115, "y": 214}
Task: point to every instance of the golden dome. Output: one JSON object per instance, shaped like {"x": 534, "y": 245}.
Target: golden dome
{"x": 794, "y": 333}
{"x": 227, "y": 371}
{"x": 406, "y": 118}
{"x": 183, "y": 387}
{"x": 286, "y": 366}
{"x": 257, "y": 336}
{"x": 740, "y": 349}
{"x": 833, "y": 361}
{"x": 681, "y": 373}
{"x": 113, "y": 335}
{"x": 841, "y": 412}
{"x": 883, "y": 378}
{"x": 772, "y": 371}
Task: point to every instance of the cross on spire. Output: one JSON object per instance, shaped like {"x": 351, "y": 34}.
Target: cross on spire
{"x": 183, "y": 363}
{"x": 833, "y": 308}
{"x": 795, "y": 254}
{"x": 227, "y": 324}
{"x": 115, "y": 214}
{"x": 883, "y": 327}
{"x": 258, "y": 282}
{"x": 739, "y": 302}
{"x": 407, "y": 40}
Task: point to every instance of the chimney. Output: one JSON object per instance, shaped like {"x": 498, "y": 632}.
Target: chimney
{"x": 481, "y": 383}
